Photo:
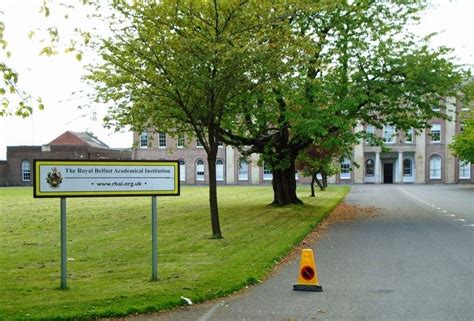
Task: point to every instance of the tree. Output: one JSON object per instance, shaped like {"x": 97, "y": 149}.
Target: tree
{"x": 180, "y": 66}
{"x": 463, "y": 145}
{"x": 359, "y": 65}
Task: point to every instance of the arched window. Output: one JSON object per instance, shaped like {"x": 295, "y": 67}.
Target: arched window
{"x": 407, "y": 168}
{"x": 200, "y": 170}
{"x": 435, "y": 167}
{"x": 267, "y": 173}
{"x": 464, "y": 170}
{"x": 346, "y": 169}
{"x": 219, "y": 170}
{"x": 369, "y": 167}
{"x": 243, "y": 170}
{"x": 182, "y": 170}
{"x": 25, "y": 171}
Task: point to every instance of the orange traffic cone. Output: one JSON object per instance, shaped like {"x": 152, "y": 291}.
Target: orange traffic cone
{"x": 307, "y": 276}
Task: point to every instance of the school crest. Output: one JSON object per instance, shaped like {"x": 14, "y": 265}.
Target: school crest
{"x": 54, "y": 178}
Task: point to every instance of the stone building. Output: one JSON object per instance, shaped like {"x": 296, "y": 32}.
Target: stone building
{"x": 413, "y": 158}
{"x": 17, "y": 169}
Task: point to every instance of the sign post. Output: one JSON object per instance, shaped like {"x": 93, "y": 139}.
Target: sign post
{"x": 63, "y": 245}
{"x": 154, "y": 240}
{"x": 103, "y": 178}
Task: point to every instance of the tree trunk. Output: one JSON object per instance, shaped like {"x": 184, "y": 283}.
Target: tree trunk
{"x": 325, "y": 179}
{"x": 321, "y": 185}
{"x": 284, "y": 187}
{"x": 211, "y": 163}
{"x": 312, "y": 184}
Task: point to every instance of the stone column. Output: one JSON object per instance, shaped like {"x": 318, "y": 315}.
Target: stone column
{"x": 359, "y": 158}
{"x": 450, "y": 164}
{"x": 255, "y": 170}
{"x": 377, "y": 168}
{"x": 420, "y": 158}
{"x": 400, "y": 168}
{"x": 229, "y": 166}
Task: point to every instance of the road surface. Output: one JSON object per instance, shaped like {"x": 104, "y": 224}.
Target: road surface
{"x": 413, "y": 261}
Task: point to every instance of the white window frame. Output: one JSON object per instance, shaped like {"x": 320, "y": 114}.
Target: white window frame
{"x": 161, "y": 140}
{"x": 198, "y": 144}
{"x": 435, "y": 167}
{"x": 243, "y": 170}
{"x": 267, "y": 173}
{"x": 407, "y": 168}
{"x": 200, "y": 171}
{"x": 345, "y": 169}
{"x": 180, "y": 141}
{"x": 25, "y": 170}
{"x": 409, "y": 134}
{"x": 220, "y": 172}
{"x": 386, "y": 132}
{"x": 143, "y": 140}
{"x": 435, "y": 128}
{"x": 182, "y": 170}
{"x": 464, "y": 170}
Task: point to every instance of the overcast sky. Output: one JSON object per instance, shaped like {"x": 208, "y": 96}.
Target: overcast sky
{"x": 56, "y": 78}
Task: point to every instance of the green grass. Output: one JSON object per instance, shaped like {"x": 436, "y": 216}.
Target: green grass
{"x": 109, "y": 249}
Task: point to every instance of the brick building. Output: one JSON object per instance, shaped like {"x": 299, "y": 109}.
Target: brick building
{"x": 17, "y": 169}
{"x": 421, "y": 158}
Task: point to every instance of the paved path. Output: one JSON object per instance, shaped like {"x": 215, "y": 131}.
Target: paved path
{"x": 414, "y": 261}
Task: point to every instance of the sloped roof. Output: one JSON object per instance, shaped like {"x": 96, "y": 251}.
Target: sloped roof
{"x": 76, "y": 138}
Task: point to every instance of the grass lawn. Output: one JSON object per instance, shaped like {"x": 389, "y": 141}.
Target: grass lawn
{"x": 109, "y": 249}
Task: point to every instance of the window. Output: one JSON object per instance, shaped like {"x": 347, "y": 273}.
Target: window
{"x": 198, "y": 144}
{"x": 435, "y": 166}
{"x": 144, "y": 140}
{"x": 162, "y": 140}
{"x": 407, "y": 167}
{"x": 219, "y": 170}
{"x": 267, "y": 173}
{"x": 370, "y": 129}
{"x": 243, "y": 170}
{"x": 25, "y": 171}
{"x": 180, "y": 141}
{"x": 200, "y": 170}
{"x": 461, "y": 126}
{"x": 369, "y": 167}
{"x": 464, "y": 170}
{"x": 182, "y": 170}
{"x": 436, "y": 108}
{"x": 346, "y": 169}
{"x": 389, "y": 134}
{"x": 220, "y": 144}
{"x": 409, "y": 136}
{"x": 436, "y": 133}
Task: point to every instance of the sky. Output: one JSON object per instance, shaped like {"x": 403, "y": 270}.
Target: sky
{"x": 58, "y": 79}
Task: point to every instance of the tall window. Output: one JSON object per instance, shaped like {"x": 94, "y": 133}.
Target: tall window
{"x": 198, "y": 144}
{"x": 200, "y": 170}
{"x": 144, "y": 140}
{"x": 25, "y": 171}
{"x": 436, "y": 133}
{"x": 435, "y": 167}
{"x": 162, "y": 140}
{"x": 409, "y": 136}
{"x": 267, "y": 173}
{"x": 407, "y": 170}
{"x": 219, "y": 170}
{"x": 346, "y": 169}
{"x": 180, "y": 141}
{"x": 369, "y": 167}
{"x": 464, "y": 170}
{"x": 389, "y": 134}
{"x": 243, "y": 170}
{"x": 182, "y": 170}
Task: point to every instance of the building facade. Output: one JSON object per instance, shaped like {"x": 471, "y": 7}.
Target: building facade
{"x": 17, "y": 170}
{"x": 421, "y": 158}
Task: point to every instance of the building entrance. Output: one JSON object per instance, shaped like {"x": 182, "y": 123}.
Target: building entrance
{"x": 388, "y": 173}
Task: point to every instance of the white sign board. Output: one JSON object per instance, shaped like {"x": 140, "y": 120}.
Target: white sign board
{"x": 66, "y": 178}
